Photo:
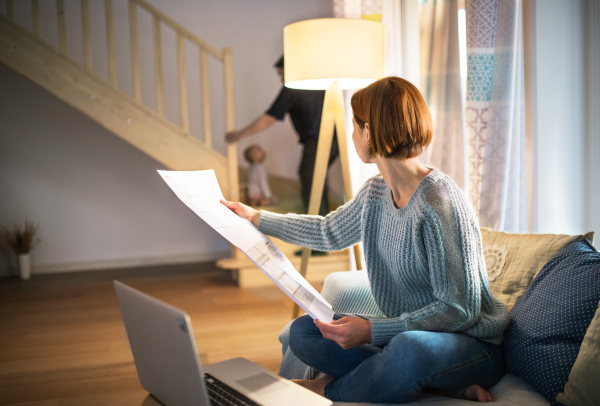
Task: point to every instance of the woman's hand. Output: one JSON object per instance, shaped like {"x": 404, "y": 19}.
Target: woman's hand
{"x": 243, "y": 211}
{"x": 348, "y": 332}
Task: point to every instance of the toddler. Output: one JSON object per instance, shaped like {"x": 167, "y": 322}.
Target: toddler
{"x": 259, "y": 192}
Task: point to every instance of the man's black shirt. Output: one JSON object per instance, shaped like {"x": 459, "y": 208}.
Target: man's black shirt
{"x": 305, "y": 108}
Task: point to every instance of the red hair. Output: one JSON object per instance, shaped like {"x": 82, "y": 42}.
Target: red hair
{"x": 399, "y": 120}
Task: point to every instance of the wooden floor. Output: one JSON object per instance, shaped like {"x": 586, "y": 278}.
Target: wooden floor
{"x": 62, "y": 341}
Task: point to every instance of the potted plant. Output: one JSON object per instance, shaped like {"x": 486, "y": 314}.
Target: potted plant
{"x": 21, "y": 240}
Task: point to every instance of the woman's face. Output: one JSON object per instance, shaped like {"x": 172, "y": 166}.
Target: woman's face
{"x": 360, "y": 137}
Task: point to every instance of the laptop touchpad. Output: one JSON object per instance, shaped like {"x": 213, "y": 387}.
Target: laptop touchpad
{"x": 262, "y": 383}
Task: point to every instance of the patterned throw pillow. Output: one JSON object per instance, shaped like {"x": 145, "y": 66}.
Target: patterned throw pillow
{"x": 514, "y": 259}
{"x": 549, "y": 322}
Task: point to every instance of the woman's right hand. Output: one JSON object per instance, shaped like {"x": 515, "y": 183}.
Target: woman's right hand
{"x": 232, "y": 136}
{"x": 243, "y": 211}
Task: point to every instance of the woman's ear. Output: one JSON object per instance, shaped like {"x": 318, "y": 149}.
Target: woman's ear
{"x": 368, "y": 133}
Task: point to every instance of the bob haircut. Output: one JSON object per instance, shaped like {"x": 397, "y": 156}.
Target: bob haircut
{"x": 400, "y": 123}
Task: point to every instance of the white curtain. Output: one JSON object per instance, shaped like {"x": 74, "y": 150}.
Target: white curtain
{"x": 440, "y": 85}
{"x": 495, "y": 113}
{"x": 487, "y": 135}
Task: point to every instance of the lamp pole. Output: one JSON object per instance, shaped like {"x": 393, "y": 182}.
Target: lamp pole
{"x": 317, "y": 53}
{"x": 332, "y": 118}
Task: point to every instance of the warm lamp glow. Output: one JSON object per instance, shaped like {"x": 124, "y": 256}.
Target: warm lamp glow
{"x": 320, "y": 52}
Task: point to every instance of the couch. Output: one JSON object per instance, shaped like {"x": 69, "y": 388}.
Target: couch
{"x": 551, "y": 285}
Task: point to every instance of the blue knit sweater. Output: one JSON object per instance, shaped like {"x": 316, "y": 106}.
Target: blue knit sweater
{"x": 425, "y": 260}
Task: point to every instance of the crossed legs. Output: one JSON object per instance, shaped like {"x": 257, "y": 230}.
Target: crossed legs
{"x": 412, "y": 362}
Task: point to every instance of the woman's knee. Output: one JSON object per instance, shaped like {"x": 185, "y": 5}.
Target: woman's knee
{"x": 413, "y": 351}
{"x": 302, "y": 332}
{"x": 451, "y": 360}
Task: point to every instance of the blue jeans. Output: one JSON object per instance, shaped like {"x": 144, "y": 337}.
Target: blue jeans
{"x": 412, "y": 362}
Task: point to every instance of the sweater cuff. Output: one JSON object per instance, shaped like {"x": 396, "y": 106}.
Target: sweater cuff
{"x": 270, "y": 223}
{"x": 383, "y": 330}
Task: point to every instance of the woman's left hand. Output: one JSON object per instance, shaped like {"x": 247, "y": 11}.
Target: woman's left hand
{"x": 348, "y": 332}
{"x": 243, "y": 211}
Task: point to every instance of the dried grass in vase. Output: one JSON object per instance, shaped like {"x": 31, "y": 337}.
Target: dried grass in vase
{"x": 20, "y": 239}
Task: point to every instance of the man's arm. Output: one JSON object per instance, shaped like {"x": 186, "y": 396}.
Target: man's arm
{"x": 260, "y": 124}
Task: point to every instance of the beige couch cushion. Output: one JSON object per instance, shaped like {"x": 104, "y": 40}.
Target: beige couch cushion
{"x": 582, "y": 387}
{"x": 513, "y": 260}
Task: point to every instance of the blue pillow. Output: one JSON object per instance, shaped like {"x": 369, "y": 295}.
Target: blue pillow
{"x": 548, "y": 323}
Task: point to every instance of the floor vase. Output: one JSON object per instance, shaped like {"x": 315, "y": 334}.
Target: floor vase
{"x": 25, "y": 266}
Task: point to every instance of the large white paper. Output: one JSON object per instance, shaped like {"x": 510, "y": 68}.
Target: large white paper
{"x": 200, "y": 191}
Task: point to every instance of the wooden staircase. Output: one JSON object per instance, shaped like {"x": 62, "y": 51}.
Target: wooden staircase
{"x": 146, "y": 128}
{"x": 103, "y": 101}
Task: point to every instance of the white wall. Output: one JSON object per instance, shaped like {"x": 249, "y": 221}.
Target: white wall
{"x": 98, "y": 201}
{"x": 562, "y": 118}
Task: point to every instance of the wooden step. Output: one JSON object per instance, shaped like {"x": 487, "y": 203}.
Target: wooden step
{"x": 247, "y": 275}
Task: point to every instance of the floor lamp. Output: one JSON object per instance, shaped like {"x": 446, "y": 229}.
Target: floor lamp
{"x": 332, "y": 54}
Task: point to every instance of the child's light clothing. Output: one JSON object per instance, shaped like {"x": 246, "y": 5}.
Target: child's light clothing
{"x": 258, "y": 182}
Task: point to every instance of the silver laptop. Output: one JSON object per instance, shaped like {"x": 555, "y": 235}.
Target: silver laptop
{"x": 166, "y": 358}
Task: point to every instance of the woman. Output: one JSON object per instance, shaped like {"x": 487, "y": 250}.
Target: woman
{"x": 424, "y": 259}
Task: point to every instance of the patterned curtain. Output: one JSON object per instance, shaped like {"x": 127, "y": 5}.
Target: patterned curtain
{"x": 495, "y": 113}
{"x": 440, "y": 85}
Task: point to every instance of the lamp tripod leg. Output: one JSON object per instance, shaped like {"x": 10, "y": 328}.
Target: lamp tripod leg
{"x": 333, "y": 117}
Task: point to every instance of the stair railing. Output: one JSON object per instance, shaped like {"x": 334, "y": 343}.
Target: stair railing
{"x": 158, "y": 18}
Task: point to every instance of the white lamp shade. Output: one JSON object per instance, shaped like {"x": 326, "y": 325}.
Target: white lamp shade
{"x": 319, "y": 52}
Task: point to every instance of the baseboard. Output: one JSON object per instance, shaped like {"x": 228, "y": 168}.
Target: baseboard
{"x": 106, "y": 264}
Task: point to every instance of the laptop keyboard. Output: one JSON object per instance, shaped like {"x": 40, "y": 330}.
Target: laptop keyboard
{"x": 221, "y": 394}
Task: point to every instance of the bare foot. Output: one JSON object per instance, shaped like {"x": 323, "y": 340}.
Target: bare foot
{"x": 473, "y": 392}
{"x": 315, "y": 385}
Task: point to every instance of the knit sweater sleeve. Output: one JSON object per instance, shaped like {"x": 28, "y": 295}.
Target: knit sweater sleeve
{"x": 448, "y": 234}
{"x": 339, "y": 229}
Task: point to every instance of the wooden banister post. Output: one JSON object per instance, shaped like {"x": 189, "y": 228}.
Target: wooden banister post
{"x": 135, "y": 53}
{"x": 87, "y": 38}
{"x": 110, "y": 44}
{"x": 62, "y": 27}
{"x": 158, "y": 70}
{"x": 182, "y": 79}
{"x": 205, "y": 98}
{"x": 233, "y": 187}
{"x": 35, "y": 18}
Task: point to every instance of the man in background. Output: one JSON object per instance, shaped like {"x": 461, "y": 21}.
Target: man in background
{"x": 305, "y": 108}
